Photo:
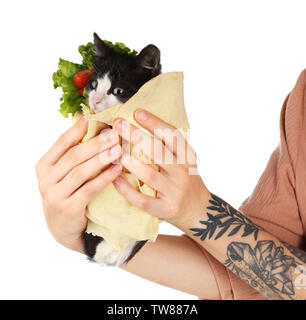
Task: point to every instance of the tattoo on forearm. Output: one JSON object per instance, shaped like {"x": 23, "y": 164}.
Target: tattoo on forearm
{"x": 264, "y": 265}
{"x": 300, "y": 254}
{"x": 227, "y": 218}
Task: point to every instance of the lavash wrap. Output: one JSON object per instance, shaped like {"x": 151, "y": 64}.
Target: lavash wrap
{"x": 109, "y": 214}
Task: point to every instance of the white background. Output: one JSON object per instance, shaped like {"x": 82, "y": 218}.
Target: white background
{"x": 240, "y": 59}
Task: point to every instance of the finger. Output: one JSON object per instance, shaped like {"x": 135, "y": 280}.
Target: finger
{"x": 93, "y": 187}
{"x": 67, "y": 140}
{"x": 171, "y": 136}
{"x": 86, "y": 171}
{"x": 147, "y": 174}
{"x": 81, "y": 153}
{"x": 151, "y": 146}
{"x": 146, "y": 203}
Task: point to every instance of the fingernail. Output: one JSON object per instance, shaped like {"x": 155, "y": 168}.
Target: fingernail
{"x": 107, "y": 135}
{"x": 118, "y": 125}
{"x": 125, "y": 125}
{"x": 116, "y": 168}
{"x": 117, "y": 181}
{"x": 141, "y": 115}
{"x": 112, "y": 135}
{"x": 122, "y": 125}
{"x": 114, "y": 150}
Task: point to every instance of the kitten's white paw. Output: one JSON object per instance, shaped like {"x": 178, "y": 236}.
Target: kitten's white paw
{"x": 107, "y": 255}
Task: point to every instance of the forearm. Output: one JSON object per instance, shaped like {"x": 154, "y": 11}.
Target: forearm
{"x": 268, "y": 265}
{"x": 175, "y": 262}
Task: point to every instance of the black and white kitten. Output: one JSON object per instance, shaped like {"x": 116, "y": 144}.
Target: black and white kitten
{"x": 115, "y": 79}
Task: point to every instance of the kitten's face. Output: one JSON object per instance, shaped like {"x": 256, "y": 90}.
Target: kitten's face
{"x": 116, "y": 78}
{"x": 101, "y": 96}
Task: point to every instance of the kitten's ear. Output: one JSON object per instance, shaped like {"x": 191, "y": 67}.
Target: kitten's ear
{"x": 149, "y": 58}
{"x": 101, "y": 49}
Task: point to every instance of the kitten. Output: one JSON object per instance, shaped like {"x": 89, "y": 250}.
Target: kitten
{"x": 115, "y": 79}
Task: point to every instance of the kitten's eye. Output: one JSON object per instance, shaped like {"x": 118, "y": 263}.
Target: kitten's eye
{"x": 117, "y": 91}
{"x": 94, "y": 84}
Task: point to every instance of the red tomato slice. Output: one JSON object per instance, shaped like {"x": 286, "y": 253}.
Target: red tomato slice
{"x": 80, "y": 78}
{"x": 81, "y": 92}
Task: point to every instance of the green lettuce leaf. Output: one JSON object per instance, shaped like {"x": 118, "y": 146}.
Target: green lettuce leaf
{"x": 87, "y": 55}
{"x": 63, "y": 78}
{"x": 121, "y": 48}
{"x": 85, "y": 95}
{"x": 71, "y": 103}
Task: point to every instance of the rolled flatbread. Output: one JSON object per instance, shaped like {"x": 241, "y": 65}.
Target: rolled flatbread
{"x": 109, "y": 214}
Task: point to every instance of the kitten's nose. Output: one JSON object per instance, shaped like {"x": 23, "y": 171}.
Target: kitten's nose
{"x": 96, "y": 105}
{"x": 97, "y": 102}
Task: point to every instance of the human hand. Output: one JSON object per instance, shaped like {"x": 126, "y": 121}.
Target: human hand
{"x": 181, "y": 192}
{"x": 71, "y": 174}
